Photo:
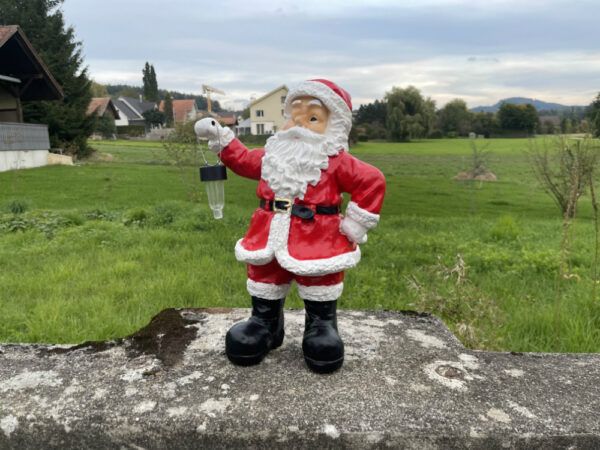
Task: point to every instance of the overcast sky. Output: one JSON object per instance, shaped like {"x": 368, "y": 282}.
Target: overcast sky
{"x": 480, "y": 51}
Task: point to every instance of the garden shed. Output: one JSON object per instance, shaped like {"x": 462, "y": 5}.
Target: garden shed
{"x": 23, "y": 77}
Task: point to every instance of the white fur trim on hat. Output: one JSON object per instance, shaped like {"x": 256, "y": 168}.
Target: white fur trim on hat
{"x": 336, "y": 105}
{"x": 362, "y": 216}
{"x": 321, "y": 293}
{"x": 267, "y": 291}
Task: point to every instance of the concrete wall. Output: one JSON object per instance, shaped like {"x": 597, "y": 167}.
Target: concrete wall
{"x": 22, "y": 159}
{"x": 406, "y": 382}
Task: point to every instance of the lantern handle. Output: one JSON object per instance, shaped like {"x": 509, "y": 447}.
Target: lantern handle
{"x": 219, "y": 162}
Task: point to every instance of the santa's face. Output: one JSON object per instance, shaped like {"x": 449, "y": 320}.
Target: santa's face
{"x": 310, "y": 113}
{"x": 296, "y": 155}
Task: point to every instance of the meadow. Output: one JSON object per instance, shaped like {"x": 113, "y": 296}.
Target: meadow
{"x": 103, "y": 246}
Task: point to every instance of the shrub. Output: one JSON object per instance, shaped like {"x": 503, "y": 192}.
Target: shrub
{"x": 135, "y": 217}
{"x": 505, "y": 229}
{"x": 255, "y": 139}
{"x": 17, "y": 206}
{"x": 447, "y": 292}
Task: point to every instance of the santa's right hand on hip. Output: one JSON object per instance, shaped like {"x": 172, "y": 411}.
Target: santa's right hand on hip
{"x": 208, "y": 128}
{"x": 353, "y": 230}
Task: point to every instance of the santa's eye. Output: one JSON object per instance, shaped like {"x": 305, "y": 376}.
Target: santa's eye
{"x": 313, "y": 119}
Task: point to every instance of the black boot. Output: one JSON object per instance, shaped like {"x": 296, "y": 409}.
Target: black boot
{"x": 248, "y": 342}
{"x": 323, "y": 349}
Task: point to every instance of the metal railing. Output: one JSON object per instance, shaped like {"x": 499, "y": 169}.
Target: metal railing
{"x": 23, "y": 136}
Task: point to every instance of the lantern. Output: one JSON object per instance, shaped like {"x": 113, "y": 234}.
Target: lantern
{"x": 214, "y": 177}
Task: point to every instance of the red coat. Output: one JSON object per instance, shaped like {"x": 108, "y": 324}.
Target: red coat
{"x": 308, "y": 247}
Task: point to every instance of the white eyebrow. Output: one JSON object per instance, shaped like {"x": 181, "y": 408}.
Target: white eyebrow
{"x": 315, "y": 102}
{"x": 295, "y": 102}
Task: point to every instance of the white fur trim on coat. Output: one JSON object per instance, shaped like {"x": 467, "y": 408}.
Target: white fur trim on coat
{"x": 267, "y": 291}
{"x": 277, "y": 247}
{"x": 362, "y": 216}
{"x": 321, "y": 293}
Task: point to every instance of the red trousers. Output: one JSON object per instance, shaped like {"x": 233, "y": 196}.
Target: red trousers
{"x": 272, "y": 282}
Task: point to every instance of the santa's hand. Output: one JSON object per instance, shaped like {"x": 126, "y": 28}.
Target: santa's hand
{"x": 218, "y": 137}
{"x": 353, "y": 230}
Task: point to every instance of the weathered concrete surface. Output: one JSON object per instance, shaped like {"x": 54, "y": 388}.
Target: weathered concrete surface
{"x": 406, "y": 383}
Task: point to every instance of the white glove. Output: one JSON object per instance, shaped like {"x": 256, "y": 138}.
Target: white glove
{"x": 218, "y": 137}
{"x": 353, "y": 230}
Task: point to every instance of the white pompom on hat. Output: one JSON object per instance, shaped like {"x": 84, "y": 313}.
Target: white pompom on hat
{"x": 336, "y": 99}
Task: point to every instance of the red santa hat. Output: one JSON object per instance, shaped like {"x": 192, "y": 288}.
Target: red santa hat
{"x": 336, "y": 99}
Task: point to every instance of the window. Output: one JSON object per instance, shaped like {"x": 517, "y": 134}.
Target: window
{"x": 282, "y": 113}
{"x": 283, "y": 99}
{"x": 260, "y": 113}
{"x": 260, "y": 128}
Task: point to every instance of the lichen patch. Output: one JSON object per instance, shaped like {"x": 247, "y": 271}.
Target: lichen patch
{"x": 9, "y": 424}
{"x": 144, "y": 407}
{"x": 331, "y": 431}
{"x": 517, "y": 373}
{"x": 425, "y": 340}
{"x": 31, "y": 380}
{"x": 213, "y": 406}
{"x": 498, "y": 415}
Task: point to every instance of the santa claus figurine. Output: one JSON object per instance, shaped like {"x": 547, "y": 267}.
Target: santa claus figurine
{"x": 298, "y": 233}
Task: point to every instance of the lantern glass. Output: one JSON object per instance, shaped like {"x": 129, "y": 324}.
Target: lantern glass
{"x": 214, "y": 177}
{"x": 215, "y": 190}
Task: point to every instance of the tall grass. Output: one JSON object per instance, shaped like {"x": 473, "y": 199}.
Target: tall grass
{"x": 106, "y": 245}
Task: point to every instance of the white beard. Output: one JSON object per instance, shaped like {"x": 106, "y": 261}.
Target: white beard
{"x": 294, "y": 159}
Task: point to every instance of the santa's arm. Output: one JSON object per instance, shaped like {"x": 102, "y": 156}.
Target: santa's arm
{"x": 366, "y": 186}
{"x": 234, "y": 154}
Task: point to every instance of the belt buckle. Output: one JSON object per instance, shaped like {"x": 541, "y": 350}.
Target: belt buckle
{"x": 286, "y": 209}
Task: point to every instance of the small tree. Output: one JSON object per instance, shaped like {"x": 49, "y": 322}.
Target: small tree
{"x": 105, "y": 125}
{"x": 595, "y": 116}
{"x": 168, "y": 111}
{"x": 409, "y": 115}
{"x": 150, "y": 85}
{"x": 564, "y": 167}
{"x": 154, "y": 117}
{"x": 42, "y": 21}
{"x": 184, "y": 152}
{"x": 455, "y": 117}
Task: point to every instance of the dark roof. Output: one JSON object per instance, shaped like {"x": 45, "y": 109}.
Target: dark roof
{"x": 127, "y": 111}
{"x": 20, "y": 60}
{"x": 139, "y": 106}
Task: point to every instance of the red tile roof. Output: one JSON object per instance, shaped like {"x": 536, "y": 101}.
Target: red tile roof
{"x": 180, "y": 109}
{"x": 97, "y": 104}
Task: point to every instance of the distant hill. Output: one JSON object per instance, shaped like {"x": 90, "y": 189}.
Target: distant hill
{"x": 538, "y": 104}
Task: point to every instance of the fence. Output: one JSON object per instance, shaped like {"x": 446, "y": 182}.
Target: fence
{"x": 23, "y": 136}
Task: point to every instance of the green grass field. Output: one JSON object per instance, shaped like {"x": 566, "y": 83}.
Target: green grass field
{"x": 107, "y": 244}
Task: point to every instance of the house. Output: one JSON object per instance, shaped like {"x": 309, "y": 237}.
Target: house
{"x": 102, "y": 106}
{"x": 106, "y": 111}
{"x": 243, "y": 127}
{"x": 266, "y": 113}
{"x": 131, "y": 115}
{"x": 23, "y": 77}
{"x": 183, "y": 110}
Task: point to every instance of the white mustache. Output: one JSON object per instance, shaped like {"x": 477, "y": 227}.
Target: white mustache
{"x": 302, "y": 133}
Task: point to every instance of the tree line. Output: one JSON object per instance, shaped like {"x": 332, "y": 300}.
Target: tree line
{"x": 405, "y": 114}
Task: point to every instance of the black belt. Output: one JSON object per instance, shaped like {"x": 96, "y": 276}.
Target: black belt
{"x": 302, "y": 211}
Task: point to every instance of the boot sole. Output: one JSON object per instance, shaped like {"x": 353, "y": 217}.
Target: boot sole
{"x": 251, "y": 360}
{"x": 324, "y": 366}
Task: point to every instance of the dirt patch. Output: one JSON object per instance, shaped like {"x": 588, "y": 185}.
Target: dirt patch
{"x": 166, "y": 336}
{"x": 480, "y": 173}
